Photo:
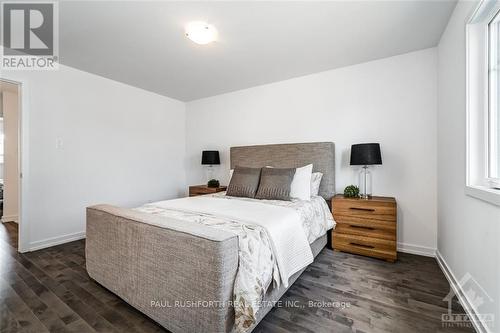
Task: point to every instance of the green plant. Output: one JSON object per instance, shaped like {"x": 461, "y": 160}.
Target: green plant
{"x": 351, "y": 191}
{"x": 213, "y": 183}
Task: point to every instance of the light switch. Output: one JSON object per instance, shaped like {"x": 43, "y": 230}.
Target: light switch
{"x": 59, "y": 143}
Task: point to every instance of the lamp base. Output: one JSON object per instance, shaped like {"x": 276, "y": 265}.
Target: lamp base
{"x": 365, "y": 183}
{"x": 209, "y": 172}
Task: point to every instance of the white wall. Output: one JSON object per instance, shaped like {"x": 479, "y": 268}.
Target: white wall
{"x": 469, "y": 229}
{"x": 392, "y": 101}
{"x": 11, "y": 156}
{"x": 92, "y": 140}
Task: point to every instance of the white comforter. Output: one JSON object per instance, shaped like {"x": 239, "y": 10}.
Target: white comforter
{"x": 266, "y": 229}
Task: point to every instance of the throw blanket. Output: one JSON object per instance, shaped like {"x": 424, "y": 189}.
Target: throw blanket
{"x": 282, "y": 225}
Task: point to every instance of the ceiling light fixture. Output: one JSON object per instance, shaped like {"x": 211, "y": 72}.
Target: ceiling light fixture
{"x": 201, "y": 32}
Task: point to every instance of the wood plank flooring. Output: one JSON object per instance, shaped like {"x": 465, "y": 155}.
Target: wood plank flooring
{"x": 49, "y": 291}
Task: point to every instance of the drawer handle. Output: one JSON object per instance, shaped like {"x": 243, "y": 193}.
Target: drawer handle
{"x": 363, "y": 245}
{"x": 363, "y": 209}
{"x": 361, "y": 227}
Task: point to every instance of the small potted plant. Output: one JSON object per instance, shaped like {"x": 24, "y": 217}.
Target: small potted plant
{"x": 213, "y": 183}
{"x": 351, "y": 191}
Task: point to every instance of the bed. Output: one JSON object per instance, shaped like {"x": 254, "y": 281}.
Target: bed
{"x": 180, "y": 261}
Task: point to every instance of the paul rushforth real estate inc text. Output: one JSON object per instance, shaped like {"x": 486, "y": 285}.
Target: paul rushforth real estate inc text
{"x": 220, "y": 304}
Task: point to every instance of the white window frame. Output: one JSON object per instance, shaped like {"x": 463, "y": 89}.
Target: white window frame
{"x": 493, "y": 112}
{"x": 478, "y": 183}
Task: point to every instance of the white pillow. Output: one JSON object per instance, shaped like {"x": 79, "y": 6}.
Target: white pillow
{"x": 301, "y": 183}
{"x": 315, "y": 183}
{"x": 230, "y": 175}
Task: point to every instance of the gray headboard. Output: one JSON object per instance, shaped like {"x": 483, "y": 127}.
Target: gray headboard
{"x": 291, "y": 155}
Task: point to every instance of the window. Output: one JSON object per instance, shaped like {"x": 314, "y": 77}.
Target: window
{"x": 483, "y": 103}
{"x": 494, "y": 102}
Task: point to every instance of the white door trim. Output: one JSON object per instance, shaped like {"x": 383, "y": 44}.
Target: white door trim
{"x": 24, "y": 230}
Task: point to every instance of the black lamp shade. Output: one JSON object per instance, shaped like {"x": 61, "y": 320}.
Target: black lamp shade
{"x": 366, "y": 154}
{"x": 210, "y": 157}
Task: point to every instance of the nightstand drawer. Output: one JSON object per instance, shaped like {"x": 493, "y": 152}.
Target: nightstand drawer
{"x": 376, "y": 229}
{"x": 375, "y": 247}
{"x": 363, "y": 221}
{"x": 199, "y": 192}
{"x": 203, "y": 189}
{"x": 365, "y": 209}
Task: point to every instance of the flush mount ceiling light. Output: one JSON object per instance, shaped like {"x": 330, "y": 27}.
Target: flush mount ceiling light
{"x": 201, "y": 32}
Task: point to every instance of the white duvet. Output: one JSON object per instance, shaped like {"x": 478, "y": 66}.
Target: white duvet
{"x": 273, "y": 236}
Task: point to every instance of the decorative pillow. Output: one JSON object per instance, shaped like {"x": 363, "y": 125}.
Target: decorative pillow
{"x": 301, "y": 184}
{"x": 244, "y": 182}
{"x": 275, "y": 184}
{"x": 315, "y": 183}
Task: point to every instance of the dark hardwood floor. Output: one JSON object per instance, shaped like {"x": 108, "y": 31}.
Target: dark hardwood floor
{"x": 50, "y": 291}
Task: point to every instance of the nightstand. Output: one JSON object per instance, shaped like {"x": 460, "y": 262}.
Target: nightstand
{"x": 204, "y": 189}
{"x": 365, "y": 226}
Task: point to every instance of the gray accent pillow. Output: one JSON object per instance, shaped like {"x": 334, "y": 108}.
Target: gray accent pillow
{"x": 275, "y": 183}
{"x": 244, "y": 182}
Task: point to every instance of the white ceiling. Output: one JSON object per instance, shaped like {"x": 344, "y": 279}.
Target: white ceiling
{"x": 143, "y": 43}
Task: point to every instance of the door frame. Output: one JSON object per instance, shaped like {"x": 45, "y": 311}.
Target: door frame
{"x": 22, "y": 155}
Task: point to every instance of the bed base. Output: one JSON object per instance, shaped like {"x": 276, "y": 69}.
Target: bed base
{"x": 178, "y": 273}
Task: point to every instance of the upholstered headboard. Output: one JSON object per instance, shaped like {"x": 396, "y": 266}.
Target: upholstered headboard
{"x": 291, "y": 155}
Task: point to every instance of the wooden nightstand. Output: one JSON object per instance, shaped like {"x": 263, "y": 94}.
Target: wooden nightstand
{"x": 204, "y": 189}
{"x": 366, "y": 227}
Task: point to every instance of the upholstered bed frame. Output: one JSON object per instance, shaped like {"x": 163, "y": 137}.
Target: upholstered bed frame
{"x": 182, "y": 275}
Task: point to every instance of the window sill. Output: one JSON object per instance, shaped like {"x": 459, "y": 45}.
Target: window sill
{"x": 484, "y": 193}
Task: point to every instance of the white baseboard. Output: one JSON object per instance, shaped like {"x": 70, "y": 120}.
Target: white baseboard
{"x": 48, "y": 242}
{"x": 417, "y": 249}
{"x": 479, "y": 326}
{"x": 10, "y": 218}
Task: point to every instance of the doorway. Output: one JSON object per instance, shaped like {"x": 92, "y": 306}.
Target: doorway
{"x": 10, "y": 93}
